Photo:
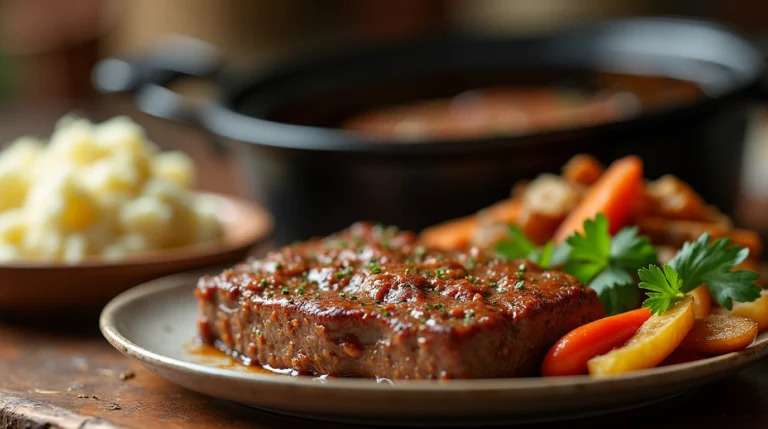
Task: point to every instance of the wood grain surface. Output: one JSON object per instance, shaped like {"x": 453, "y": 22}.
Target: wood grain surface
{"x": 58, "y": 372}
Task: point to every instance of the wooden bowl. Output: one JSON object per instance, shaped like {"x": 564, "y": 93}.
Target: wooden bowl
{"x": 39, "y": 286}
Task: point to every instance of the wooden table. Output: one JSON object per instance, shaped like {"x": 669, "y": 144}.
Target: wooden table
{"x": 58, "y": 373}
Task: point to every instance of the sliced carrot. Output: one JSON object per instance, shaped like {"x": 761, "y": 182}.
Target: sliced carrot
{"x": 455, "y": 234}
{"x": 717, "y": 335}
{"x": 569, "y": 356}
{"x": 505, "y": 211}
{"x": 613, "y": 195}
{"x": 583, "y": 169}
{"x": 748, "y": 239}
{"x": 756, "y": 310}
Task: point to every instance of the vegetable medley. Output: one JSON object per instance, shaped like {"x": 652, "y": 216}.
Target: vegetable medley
{"x": 678, "y": 282}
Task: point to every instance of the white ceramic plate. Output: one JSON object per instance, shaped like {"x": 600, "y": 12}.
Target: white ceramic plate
{"x": 156, "y": 324}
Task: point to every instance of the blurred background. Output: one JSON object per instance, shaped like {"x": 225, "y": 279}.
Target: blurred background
{"x": 50, "y": 47}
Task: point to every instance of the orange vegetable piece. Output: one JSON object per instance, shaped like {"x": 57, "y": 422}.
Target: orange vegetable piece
{"x": 583, "y": 169}
{"x": 756, "y": 310}
{"x": 659, "y": 336}
{"x": 505, "y": 211}
{"x": 457, "y": 234}
{"x": 749, "y": 239}
{"x": 613, "y": 195}
{"x": 702, "y": 301}
{"x": 569, "y": 356}
{"x": 717, "y": 335}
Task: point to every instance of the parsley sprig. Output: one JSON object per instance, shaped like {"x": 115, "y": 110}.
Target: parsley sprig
{"x": 518, "y": 246}
{"x": 701, "y": 262}
{"x": 607, "y": 264}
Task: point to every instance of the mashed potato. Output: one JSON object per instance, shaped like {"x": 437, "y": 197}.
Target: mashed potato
{"x": 97, "y": 189}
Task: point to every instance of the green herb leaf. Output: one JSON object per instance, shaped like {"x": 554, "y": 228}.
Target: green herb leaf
{"x": 607, "y": 265}
{"x": 738, "y": 286}
{"x": 701, "y": 262}
{"x": 616, "y": 289}
{"x": 517, "y": 247}
{"x": 664, "y": 287}
{"x": 630, "y": 252}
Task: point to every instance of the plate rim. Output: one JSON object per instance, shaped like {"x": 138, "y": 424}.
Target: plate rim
{"x": 109, "y": 328}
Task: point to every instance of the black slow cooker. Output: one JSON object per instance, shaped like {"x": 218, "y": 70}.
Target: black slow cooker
{"x": 315, "y": 178}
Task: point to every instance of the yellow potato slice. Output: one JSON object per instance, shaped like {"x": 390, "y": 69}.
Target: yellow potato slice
{"x": 756, "y": 310}
{"x": 654, "y": 341}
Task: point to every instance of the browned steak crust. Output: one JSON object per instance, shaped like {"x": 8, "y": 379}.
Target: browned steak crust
{"x": 370, "y": 302}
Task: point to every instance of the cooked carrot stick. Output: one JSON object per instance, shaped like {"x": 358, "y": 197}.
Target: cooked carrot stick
{"x": 505, "y": 211}
{"x": 569, "y": 356}
{"x": 583, "y": 169}
{"x": 450, "y": 235}
{"x": 748, "y": 239}
{"x": 611, "y": 195}
{"x": 457, "y": 234}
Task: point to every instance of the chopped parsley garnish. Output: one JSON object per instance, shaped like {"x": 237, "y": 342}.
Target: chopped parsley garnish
{"x": 385, "y": 313}
{"x": 362, "y": 303}
{"x": 699, "y": 263}
{"x": 423, "y": 320}
{"x": 300, "y": 290}
{"x": 502, "y": 290}
{"x": 375, "y": 269}
{"x": 341, "y": 274}
{"x": 376, "y": 301}
{"x": 258, "y": 333}
{"x": 407, "y": 271}
{"x": 469, "y": 316}
{"x": 520, "y": 285}
{"x": 343, "y": 295}
{"x": 439, "y": 307}
{"x": 607, "y": 264}
{"x": 419, "y": 251}
{"x": 439, "y": 273}
{"x": 492, "y": 284}
{"x": 278, "y": 265}
{"x": 353, "y": 297}
{"x": 471, "y": 263}
{"x": 285, "y": 291}
{"x": 263, "y": 282}
{"x": 471, "y": 278}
